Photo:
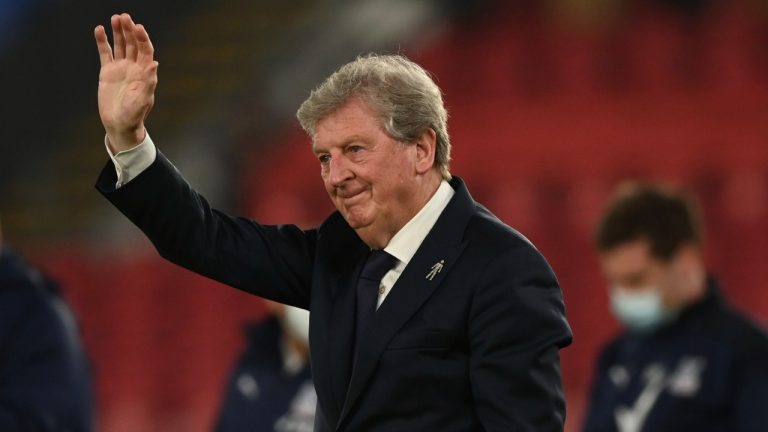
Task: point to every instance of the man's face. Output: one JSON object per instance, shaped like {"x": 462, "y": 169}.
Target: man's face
{"x": 632, "y": 267}
{"x": 372, "y": 179}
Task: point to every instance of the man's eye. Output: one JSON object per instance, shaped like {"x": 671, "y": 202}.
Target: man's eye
{"x": 324, "y": 158}
{"x": 354, "y": 149}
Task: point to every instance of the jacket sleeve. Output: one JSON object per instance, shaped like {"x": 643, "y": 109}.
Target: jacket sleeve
{"x": 274, "y": 262}
{"x": 517, "y": 326}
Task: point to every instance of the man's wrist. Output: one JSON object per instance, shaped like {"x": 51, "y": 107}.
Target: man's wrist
{"x": 125, "y": 140}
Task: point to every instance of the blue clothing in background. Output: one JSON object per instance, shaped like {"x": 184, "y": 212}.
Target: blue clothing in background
{"x": 705, "y": 371}
{"x": 262, "y": 394}
{"x": 44, "y": 375}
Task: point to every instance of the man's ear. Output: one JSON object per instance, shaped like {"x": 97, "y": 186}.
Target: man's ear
{"x": 426, "y": 145}
{"x": 689, "y": 256}
{"x": 690, "y": 262}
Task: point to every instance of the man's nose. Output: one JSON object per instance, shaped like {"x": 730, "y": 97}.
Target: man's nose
{"x": 338, "y": 171}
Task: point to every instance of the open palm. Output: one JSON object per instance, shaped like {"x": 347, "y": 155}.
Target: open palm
{"x": 127, "y": 81}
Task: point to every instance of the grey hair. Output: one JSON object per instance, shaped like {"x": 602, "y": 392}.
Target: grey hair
{"x": 401, "y": 93}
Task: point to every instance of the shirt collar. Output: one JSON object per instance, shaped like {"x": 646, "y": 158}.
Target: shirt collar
{"x": 406, "y": 242}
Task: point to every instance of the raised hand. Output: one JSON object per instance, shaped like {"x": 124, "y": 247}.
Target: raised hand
{"x": 127, "y": 81}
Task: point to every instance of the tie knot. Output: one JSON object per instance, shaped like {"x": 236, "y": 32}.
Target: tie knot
{"x": 377, "y": 265}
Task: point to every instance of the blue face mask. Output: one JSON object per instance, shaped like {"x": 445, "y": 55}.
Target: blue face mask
{"x": 641, "y": 310}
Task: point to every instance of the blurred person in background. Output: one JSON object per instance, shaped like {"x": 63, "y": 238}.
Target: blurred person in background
{"x": 45, "y": 383}
{"x": 271, "y": 387}
{"x": 428, "y": 313}
{"x": 686, "y": 361}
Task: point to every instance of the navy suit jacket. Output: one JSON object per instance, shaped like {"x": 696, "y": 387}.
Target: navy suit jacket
{"x": 475, "y": 348}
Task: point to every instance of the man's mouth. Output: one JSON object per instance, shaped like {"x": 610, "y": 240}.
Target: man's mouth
{"x": 350, "y": 197}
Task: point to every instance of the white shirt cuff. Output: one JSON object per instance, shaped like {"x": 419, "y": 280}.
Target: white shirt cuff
{"x": 130, "y": 163}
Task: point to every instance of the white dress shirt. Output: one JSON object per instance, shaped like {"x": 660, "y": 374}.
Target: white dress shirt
{"x": 403, "y": 246}
{"x": 131, "y": 163}
{"x": 406, "y": 242}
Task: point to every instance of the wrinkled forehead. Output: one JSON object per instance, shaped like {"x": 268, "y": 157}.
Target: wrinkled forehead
{"x": 352, "y": 119}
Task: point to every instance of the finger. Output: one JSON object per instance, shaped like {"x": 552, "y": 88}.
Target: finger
{"x": 129, "y": 30}
{"x": 117, "y": 37}
{"x": 152, "y": 71}
{"x": 102, "y": 44}
{"x": 146, "y": 50}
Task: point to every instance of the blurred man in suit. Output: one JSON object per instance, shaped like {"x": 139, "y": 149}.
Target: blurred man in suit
{"x": 44, "y": 375}
{"x": 686, "y": 361}
{"x": 427, "y": 312}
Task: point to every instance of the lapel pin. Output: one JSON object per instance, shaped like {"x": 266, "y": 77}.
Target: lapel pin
{"x": 436, "y": 268}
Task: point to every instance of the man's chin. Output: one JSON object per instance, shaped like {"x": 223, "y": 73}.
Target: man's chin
{"x": 357, "y": 221}
{"x": 356, "y": 218}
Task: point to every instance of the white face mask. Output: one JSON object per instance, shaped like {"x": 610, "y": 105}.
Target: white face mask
{"x": 640, "y": 310}
{"x": 296, "y": 322}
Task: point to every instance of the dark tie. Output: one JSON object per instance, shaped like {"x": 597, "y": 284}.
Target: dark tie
{"x": 376, "y": 266}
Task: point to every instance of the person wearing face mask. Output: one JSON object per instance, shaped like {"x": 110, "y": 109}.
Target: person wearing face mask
{"x": 686, "y": 361}
{"x": 271, "y": 388}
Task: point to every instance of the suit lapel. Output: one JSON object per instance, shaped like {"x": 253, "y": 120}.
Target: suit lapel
{"x": 424, "y": 274}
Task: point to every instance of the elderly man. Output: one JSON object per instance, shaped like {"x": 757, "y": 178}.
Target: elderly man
{"x": 687, "y": 361}
{"x": 427, "y": 312}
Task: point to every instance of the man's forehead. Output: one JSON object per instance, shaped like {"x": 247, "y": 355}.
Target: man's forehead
{"x": 350, "y": 121}
{"x": 630, "y": 256}
{"x": 350, "y": 112}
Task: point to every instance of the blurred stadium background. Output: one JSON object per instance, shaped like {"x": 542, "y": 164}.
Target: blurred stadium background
{"x": 552, "y": 102}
